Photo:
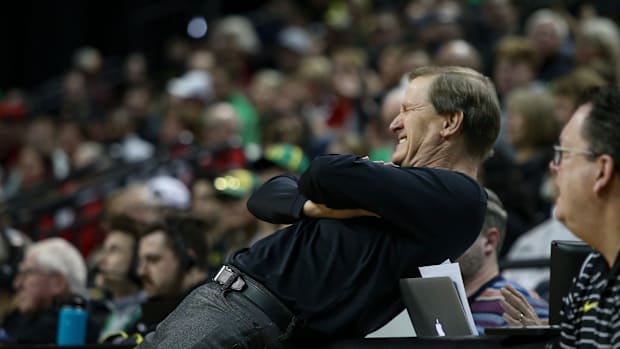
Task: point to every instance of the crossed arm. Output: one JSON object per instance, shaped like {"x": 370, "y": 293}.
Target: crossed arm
{"x": 285, "y": 199}
{"x": 314, "y": 210}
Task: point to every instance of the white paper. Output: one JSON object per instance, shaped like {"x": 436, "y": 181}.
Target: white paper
{"x": 453, "y": 271}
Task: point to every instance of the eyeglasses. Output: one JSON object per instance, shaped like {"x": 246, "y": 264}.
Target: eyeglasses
{"x": 559, "y": 151}
{"x": 25, "y": 272}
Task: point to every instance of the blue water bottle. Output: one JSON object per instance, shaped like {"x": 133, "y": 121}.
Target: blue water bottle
{"x": 72, "y": 323}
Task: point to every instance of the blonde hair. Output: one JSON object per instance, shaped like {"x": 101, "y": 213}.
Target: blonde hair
{"x": 536, "y": 106}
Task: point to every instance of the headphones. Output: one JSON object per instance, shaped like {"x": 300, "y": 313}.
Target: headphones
{"x": 15, "y": 253}
{"x": 132, "y": 272}
{"x": 187, "y": 256}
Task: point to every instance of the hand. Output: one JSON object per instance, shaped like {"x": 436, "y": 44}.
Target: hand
{"x": 517, "y": 310}
{"x": 314, "y": 210}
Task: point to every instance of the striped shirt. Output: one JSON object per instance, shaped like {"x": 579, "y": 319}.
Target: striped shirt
{"x": 591, "y": 311}
{"x": 485, "y": 307}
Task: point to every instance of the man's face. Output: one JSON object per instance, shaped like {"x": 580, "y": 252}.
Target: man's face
{"x": 472, "y": 260}
{"x": 159, "y": 266}
{"x": 418, "y": 124}
{"x": 516, "y": 131}
{"x": 116, "y": 257}
{"x": 35, "y": 288}
{"x": 573, "y": 177}
{"x": 204, "y": 201}
{"x": 509, "y": 74}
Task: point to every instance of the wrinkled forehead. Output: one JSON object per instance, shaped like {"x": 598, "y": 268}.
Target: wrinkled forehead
{"x": 29, "y": 261}
{"x": 418, "y": 89}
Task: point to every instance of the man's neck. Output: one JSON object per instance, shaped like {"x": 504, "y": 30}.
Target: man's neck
{"x": 486, "y": 274}
{"x": 450, "y": 158}
{"x": 610, "y": 241}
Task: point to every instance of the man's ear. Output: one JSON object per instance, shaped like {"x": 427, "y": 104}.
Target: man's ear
{"x": 491, "y": 243}
{"x": 452, "y": 124}
{"x": 605, "y": 172}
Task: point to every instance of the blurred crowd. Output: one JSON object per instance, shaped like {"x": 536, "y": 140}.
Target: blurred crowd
{"x": 147, "y": 173}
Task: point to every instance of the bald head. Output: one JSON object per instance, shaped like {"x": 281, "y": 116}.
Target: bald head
{"x": 458, "y": 53}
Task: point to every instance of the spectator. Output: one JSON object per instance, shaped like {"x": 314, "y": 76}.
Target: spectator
{"x": 147, "y": 201}
{"x": 34, "y": 169}
{"x": 549, "y": 34}
{"x": 124, "y": 143}
{"x": 220, "y": 135}
{"x": 172, "y": 258}
{"x": 279, "y": 159}
{"x": 52, "y": 271}
{"x": 516, "y": 64}
{"x": 118, "y": 275}
{"x": 492, "y": 20}
{"x": 236, "y": 228}
{"x": 597, "y": 45}
{"x": 586, "y": 174}
{"x": 531, "y": 132}
{"x": 481, "y": 275}
{"x": 220, "y": 126}
{"x": 204, "y": 203}
{"x": 226, "y": 90}
{"x": 569, "y": 89}
{"x": 264, "y": 91}
{"x": 458, "y": 52}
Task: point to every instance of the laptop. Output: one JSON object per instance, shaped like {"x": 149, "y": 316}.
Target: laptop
{"x": 434, "y": 307}
{"x": 566, "y": 260}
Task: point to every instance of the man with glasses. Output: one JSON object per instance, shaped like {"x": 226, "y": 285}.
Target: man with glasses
{"x": 586, "y": 169}
{"x": 52, "y": 271}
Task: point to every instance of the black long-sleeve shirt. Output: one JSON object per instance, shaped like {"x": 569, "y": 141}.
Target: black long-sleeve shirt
{"x": 341, "y": 275}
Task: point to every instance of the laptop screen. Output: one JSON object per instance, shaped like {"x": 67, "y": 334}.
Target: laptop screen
{"x": 434, "y": 307}
{"x": 566, "y": 260}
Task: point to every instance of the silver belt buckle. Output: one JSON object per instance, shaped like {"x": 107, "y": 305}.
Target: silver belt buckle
{"x": 224, "y": 276}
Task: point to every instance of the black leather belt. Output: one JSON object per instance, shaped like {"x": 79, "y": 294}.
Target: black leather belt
{"x": 235, "y": 280}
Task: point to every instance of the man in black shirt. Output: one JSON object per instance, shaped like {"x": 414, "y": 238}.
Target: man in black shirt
{"x": 357, "y": 228}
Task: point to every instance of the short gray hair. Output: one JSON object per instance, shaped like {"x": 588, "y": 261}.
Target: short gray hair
{"x": 460, "y": 89}
{"x": 544, "y": 16}
{"x": 495, "y": 217}
{"x": 59, "y": 256}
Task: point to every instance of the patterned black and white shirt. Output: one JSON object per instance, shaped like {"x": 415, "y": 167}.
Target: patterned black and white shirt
{"x": 591, "y": 311}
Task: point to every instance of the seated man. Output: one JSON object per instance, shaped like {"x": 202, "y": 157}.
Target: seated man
{"x": 117, "y": 275}
{"x": 481, "y": 275}
{"x": 52, "y": 270}
{"x": 586, "y": 170}
{"x": 172, "y": 262}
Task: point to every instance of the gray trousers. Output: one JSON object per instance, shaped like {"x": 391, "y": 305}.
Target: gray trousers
{"x": 211, "y": 317}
